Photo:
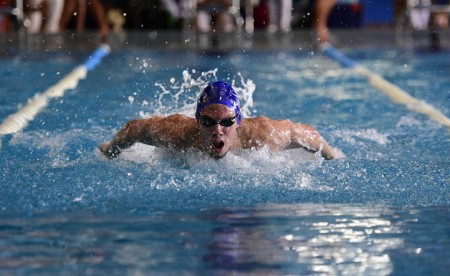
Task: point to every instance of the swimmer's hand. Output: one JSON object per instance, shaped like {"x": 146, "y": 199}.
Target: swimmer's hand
{"x": 108, "y": 151}
{"x": 337, "y": 154}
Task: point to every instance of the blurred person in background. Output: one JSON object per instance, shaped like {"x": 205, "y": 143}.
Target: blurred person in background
{"x": 214, "y": 15}
{"x": 4, "y": 20}
{"x": 280, "y": 15}
{"x": 417, "y": 15}
{"x": 322, "y": 10}
{"x": 79, "y": 8}
{"x": 51, "y": 15}
{"x": 153, "y": 14}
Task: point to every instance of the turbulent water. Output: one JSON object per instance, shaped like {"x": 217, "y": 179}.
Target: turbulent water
{"x": 64, "y": 208}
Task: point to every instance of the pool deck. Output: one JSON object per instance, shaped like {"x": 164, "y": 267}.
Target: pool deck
{"x": 367, "y": 37}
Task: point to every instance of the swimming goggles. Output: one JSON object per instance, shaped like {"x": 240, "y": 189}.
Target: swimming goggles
{"x": 208, "y": 122}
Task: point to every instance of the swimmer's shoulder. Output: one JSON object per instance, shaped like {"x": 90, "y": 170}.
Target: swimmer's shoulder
{"x": 182, "y": 124}
{"x": 179, "y": 119}
{"x": 255, "y": 120}
{"x": 171, "y": 124}
{"x": 266, "y": 123}
{"x": 170, "y": 120}
{"x": 265, "y": 129}
{"x": 256, "y": 130}
{"x": 262, "y": 122}
{"x": 175, "y": 131}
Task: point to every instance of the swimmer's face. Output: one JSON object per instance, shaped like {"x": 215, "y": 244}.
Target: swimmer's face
{"x": 218, "y": 129}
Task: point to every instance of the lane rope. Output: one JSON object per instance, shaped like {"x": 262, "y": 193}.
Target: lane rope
{"x": 395, "y": 93}
{"x": 19, "y": 120}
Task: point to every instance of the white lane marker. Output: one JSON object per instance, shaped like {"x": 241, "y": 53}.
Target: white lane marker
{"x": 19, "y": 120}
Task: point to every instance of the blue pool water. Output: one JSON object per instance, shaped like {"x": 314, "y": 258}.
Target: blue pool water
{"x": 383, "y": 209}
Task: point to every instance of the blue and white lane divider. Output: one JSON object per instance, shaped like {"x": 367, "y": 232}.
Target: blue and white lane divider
{"x": 19, "y": 120}
{"x": 395, "y": 93}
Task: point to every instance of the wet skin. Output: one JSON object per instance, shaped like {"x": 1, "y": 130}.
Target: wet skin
{"x": 217, "y": 139}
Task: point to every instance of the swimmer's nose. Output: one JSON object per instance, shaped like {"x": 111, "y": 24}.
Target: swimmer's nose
{"x": 217, "y": 129}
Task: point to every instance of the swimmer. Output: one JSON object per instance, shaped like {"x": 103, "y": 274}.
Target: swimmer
{"x": 218, "y": 127}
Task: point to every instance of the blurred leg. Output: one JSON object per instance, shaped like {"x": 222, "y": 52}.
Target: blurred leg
{"x": 203, "y": 22}
{"x": 54, "y": 12}
{"x": 100, "y": 16}
{"x": 323, "y": 9}
{"x": 68, "y": 11}
{"x": 285, "y": 15}
{"x": 35, "y": 15}
{"x": 81, "y": 15}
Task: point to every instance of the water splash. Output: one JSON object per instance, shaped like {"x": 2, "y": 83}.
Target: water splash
{"x": 180, "y": 96}
{"x": 409, "y": 120}
{"x": 366, "y": 134}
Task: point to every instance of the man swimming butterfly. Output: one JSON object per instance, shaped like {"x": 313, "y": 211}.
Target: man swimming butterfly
{"x": 218, "y": 127}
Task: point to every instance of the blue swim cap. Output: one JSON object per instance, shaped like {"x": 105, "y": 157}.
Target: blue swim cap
{"x": 219, "y": 92}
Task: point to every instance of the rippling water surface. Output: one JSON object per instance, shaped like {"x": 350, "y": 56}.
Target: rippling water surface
{"x": 381, "y": 210}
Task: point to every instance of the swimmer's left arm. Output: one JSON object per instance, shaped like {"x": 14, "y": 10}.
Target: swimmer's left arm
{"x": 308, "y": 137}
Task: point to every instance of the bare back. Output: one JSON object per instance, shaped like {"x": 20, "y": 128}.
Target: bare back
{"x": 276, "y": 134}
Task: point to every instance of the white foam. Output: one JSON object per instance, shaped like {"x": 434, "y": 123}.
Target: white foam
{"x": 251, "y": 161}
{"x": 366, "y": 134}
{"x": 408, "y": 121}
{"x": 59, "y": 145}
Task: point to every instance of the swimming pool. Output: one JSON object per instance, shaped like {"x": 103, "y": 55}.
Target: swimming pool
{"x": 383, "y": 209}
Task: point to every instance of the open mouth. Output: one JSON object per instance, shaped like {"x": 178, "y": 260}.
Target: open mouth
{"x": 218, "y": 145}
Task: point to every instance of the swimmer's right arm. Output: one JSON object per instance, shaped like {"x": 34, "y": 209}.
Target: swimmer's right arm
{"x": 134, "y": 131}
